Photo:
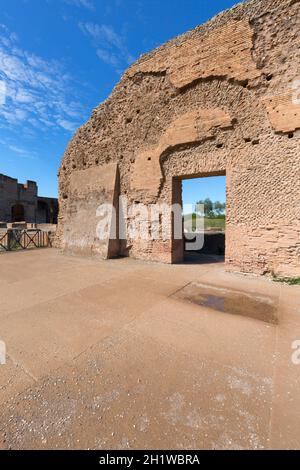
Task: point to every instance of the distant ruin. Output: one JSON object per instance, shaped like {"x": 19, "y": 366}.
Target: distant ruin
{"x": 21, "y": 203}
{"x": 222, "y": 99}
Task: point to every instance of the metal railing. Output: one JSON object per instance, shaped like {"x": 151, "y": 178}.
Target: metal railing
{"x": 23, "y": 239}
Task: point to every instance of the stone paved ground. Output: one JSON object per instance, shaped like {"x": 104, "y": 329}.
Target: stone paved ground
{"x": 105, "y": 355}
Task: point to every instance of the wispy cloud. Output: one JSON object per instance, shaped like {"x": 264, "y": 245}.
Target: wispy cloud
{"x": 37, "y": 92}
{"x": 67, "y": 125}
{"x": 110, "y": 46}
{"x": 81, "y": 3}
{"x": 2, "y": 92}
{"x": 22, "y": 152}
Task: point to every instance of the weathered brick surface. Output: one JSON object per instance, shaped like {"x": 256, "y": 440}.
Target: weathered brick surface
{"x": 225, "y": 52}
{"x": 20, "y": 202}
{"x": 284, "y": 112}
{"x": 191, "y": 127}
{"x": 88, "y": 190}
{"x": 229, "y": 69}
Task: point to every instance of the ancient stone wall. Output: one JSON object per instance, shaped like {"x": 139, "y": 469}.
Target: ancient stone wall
{"x": 88, "y": 188}
{"x": 221, "y": 99}
{"x": 22, "y": 197}
{"x": 21, "y": 203}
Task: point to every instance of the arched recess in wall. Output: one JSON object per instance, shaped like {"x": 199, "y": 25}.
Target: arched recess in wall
{"x": 17, "y": 213}
{"x": 43, "y": 213}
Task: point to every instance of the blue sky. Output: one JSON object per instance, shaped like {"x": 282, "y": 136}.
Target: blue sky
{"x": 198, "y": 189}
{"x": 60, "y": 58}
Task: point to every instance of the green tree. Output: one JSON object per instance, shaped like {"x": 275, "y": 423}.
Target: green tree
{"x": 208, "y": 207}
{"x": 211, "y": 209}
{"x": 219, "y": 208}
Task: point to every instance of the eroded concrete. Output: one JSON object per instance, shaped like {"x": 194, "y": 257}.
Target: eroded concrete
{"x": 102, "y": 355}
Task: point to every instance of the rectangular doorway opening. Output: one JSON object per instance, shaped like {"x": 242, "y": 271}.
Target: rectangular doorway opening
{"x": 204, "y": 196}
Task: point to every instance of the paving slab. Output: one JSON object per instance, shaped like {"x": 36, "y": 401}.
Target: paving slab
{"x": 110, "y": 354}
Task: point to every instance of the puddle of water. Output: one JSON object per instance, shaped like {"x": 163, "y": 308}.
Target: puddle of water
{"x": 233, "y": 302}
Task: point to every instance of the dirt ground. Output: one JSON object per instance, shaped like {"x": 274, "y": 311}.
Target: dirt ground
{"x": 124, "y": 354}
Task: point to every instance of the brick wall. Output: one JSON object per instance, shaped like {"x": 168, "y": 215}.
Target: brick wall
{"x": 217, "y": 100}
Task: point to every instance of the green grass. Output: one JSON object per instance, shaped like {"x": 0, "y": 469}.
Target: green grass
{"x": 218, "y": 223}
{"x": 291, "y": 281}
{"x": 214, "y": 223}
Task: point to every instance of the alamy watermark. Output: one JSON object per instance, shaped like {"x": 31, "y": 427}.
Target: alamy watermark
{"x": 296, "y": 353}
{"x": 161, "y": 221}
{"x": 2, "y": 353}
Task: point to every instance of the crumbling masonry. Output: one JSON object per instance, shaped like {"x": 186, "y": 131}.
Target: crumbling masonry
{"x": 21, "y": 203}
{"x": 221, "y": 99}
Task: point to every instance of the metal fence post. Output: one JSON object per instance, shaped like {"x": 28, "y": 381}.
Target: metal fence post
{"x": 9, "y": 239}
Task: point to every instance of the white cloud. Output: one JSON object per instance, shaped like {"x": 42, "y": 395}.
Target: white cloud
{"x": 110, "y": 46}
{"x": 67, "y": 125}
{"x": 81, "y": 3}
{"x": 22, "y": 152}
{"x": 37, "y": 92}
{"x": 108, "y": 57}
{"x": 22, "y": 96}
{"x": 2, "y": 92}
{"x": 13, "y": 116}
